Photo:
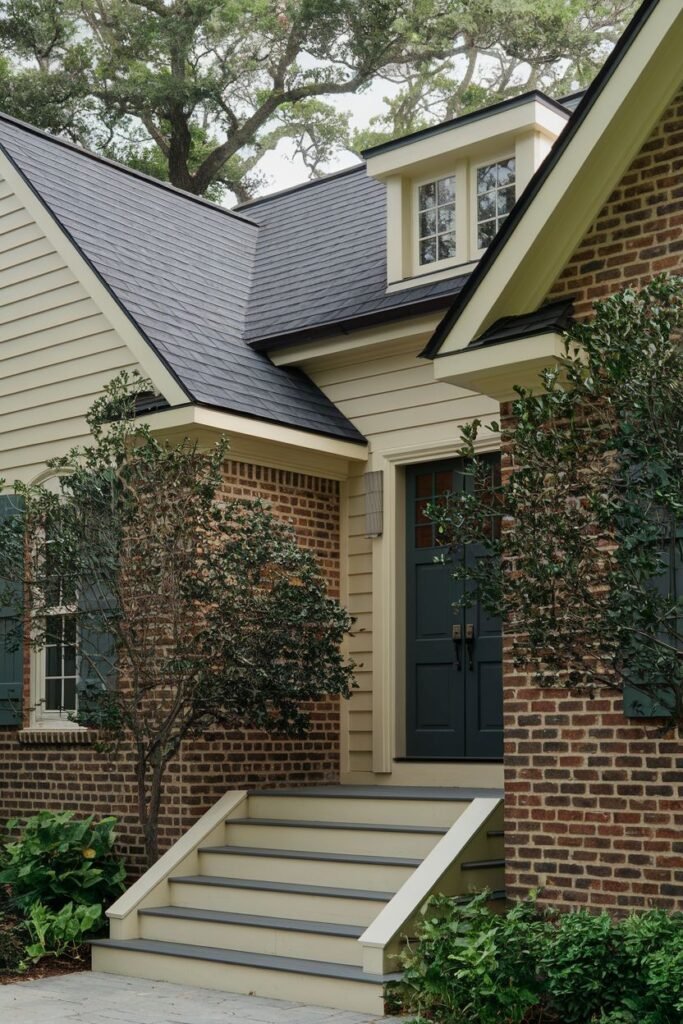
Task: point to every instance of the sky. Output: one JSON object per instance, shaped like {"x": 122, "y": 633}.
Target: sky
{"x": 284, "y": 168}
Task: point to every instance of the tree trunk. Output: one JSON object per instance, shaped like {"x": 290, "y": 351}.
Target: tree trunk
{"x": 149, "y": 805}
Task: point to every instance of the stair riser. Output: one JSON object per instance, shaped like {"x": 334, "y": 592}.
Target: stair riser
{"x": 296, "y": 906}
{"x": 321, "y": 840}
{"x": 332, "y": 949}
{"x": 379, "y": 877}
{"x": 369, "y": 811}
{"x": 357, "y": 997}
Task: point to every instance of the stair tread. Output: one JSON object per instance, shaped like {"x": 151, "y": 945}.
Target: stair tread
{"x": 470, "y": 864}
{"x": 352, "y": 825}
{"x": 352, "y": 931}
{"x": 243, "y": 959}
{"x": 294, "y": 887}
{"x": 385, "y": 792}
{"x": 346, "y": 858}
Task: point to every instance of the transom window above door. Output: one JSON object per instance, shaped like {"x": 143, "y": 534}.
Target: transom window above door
{"x": 431, "y": 484}
{"x": 436, "y": 220}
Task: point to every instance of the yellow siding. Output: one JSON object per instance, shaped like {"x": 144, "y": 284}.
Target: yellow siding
{"x": 57, "y": 348}
{"x": 398, "y": 406}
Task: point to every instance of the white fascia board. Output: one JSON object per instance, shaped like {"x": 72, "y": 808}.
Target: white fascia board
{"x": 337, "y": 347}
{"x": 406, "y": 159}
{"x": 198, "y": 418}
{"x": 606, "y": 142}
{"x": 495, "y": 369}
{"x": 152, "y": 364}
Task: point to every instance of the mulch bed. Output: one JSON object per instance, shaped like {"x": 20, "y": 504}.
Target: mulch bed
{"x": 48, "y": 968}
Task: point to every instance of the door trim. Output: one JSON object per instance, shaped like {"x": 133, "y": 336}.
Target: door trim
{"x": 389, "y": 596}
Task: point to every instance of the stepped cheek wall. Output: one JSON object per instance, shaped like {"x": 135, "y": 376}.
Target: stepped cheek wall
{"x": 62, "y": 770}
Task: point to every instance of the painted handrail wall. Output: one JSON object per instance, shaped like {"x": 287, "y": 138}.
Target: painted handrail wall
{"x": 152, "y": 889}
{"x": 440, "y": 871}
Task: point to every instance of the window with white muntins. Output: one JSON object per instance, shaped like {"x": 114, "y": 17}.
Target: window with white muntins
{"x": 436, "y": 220}
{"x": 495, "y": 197}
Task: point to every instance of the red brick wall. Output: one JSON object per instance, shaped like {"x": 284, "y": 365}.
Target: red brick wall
{"x": 639, "y": 231}
{"x": 594, "y": 801}
{"x": 61, "y": 771}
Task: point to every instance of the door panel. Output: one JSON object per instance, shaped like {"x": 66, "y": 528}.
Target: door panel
{"x": 454, "y": 687}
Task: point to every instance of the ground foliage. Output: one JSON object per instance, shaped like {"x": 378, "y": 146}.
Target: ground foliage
{"x": 592, "y": 514}
{"x": 530, "y": 966}
{"x": 57, "y": 876}
{"x": 192, "y": 610}
{"x": 198, "y": 91}
{"x": 53, "y": 859}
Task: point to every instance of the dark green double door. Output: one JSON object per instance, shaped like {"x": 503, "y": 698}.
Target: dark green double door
{"x": 454, "y": 670}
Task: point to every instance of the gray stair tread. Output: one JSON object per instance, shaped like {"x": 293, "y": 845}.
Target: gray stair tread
{"x": 472, "y": 864}
{"x": 352, "y": 931}
{"x": 295, "y": 887}
{"x": 242, "y": 959}
{"x": 345, "y": 858}
{"x": 436, "y": 830}
{"x": 385, "y": 792}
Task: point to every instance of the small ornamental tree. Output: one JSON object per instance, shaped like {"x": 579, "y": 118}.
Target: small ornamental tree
{"x": 587, "y": 569}
{"x": 187, "y": 610}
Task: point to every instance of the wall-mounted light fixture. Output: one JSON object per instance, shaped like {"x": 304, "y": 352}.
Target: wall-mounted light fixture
{"x": 374, "y": 503}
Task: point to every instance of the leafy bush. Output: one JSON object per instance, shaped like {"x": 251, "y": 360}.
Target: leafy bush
{"x": 61, "y": 933}
{"x": 57, "y": 860}
{"x": 471, "y": 966}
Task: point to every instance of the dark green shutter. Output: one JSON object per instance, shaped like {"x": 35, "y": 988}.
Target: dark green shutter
{"x": 97, "y": 651}
{"x": 11, "y": 645}
{"x": 638, "y": 704}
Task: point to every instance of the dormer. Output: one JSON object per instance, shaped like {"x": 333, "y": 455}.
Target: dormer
{"x": 450, "y": 187}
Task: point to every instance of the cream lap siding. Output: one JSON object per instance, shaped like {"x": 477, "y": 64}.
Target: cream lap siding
{"x": 56, "y": 348}
{"x": 398, "y": 406}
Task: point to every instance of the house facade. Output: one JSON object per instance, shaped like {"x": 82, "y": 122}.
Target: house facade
{"x": 340, "y": 333}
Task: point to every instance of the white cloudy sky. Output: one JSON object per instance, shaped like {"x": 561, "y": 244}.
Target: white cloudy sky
{"x": 283, "y": 171}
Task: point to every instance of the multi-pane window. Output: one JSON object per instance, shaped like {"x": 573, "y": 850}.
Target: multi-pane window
{"x": 430, "y": 486}
{"x": 436, "y": 220}
{"x": 59, "y": 662}
{"x": 56, "y": 691}
{"x": 495, "y": 198}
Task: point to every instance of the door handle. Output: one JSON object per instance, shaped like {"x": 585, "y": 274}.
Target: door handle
{"x": 469, "y": 643}
{"x": 456, "y": 634}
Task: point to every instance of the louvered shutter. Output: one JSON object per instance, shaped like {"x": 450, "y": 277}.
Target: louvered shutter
{"x": 11, "y": 645}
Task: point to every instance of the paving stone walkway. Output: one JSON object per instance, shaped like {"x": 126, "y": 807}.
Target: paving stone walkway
{"x": 91, "y": 998}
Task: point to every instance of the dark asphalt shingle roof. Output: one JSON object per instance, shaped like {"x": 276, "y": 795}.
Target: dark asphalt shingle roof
{"x": 321, "y": 262}
{"x": 553, "y": 316}
{"x": 182, "y": 270}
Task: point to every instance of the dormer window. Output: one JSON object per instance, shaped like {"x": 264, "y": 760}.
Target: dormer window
{"x": 436, "y": 220}
{"x": 495, "y": 198}
{"x": 450, "y": 188}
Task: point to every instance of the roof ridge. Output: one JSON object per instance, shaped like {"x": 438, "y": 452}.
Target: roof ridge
{"x": 302, "y": 185}
{"x": 124, "y": 168}
{"x": 488, "y": 110}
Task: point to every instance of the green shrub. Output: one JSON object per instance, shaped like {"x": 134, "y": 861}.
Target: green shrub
{"x": 57, "y": 860}
{"x": 61, "y": 933}
{"x": 471, "y": 966}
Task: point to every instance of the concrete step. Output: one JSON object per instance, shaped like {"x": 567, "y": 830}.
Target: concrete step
{"x": 338, "y": 869}
{"x": 278, "y": 899}
{"x": 276, "y": 936}
{"x": 280, "y": 977}
{"x": 334, "y": 836}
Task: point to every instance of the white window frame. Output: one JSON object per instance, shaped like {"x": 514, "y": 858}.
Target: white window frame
{"x": 495, "y": 158}
{"x": 420, "y": 269}
{"x": 40, "y": 717}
